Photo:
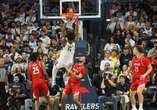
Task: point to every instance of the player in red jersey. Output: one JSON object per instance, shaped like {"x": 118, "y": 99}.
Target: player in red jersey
{"x": 73, "y": 84}
{"x": 37, "y": 74}
{"x": 140, "y": 69}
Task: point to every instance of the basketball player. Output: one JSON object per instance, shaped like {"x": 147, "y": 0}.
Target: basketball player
{"x": 73, "y": 84}
{"x": 37, "y": 74}
{"x": 140, "y": 69}
{"x": 66, "y": 57}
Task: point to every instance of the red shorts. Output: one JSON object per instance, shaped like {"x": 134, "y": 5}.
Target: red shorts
{"x": 136, "y": 83}
{"x": 72, "y": 88}
{"x": 40, "y": 86}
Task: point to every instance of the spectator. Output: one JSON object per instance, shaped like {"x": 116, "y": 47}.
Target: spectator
{"x": 115, "y": 58}
{"x": 3, "y": 83}
{"x": 31, "y": 18}
{"x": 45, "y": 61}
{"x": 52, "y": 61}
{"x": 116, "y": 24}
{"x": 108, "y": 96}
{"x": 17, "y": 92}
{"x": 144, "y": 45}
{"x": 129, "y": 22}
{"x": 24, "y": 61}
{"x": 16, "y": 64}
{"x": 129, "y": 41}
{"x": 122, "y": 90}
{"x": 106, "y": 64}
{"x": 126, "y": 73}
{"x": 148, "y": 29}
{"x": 40, "y": 53}
{"x": 153, "y": 50}
{"x": 125, "y": 57}
{"x": 54, "y": 44}
{"x": 32, "y": 42}
{"x": 45, "y": 41}
{"x": 110, "y": 45}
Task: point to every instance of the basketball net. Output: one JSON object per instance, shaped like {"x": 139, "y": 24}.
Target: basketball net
{"x": 70, "y": 14}
{"x": 70, "y": 17}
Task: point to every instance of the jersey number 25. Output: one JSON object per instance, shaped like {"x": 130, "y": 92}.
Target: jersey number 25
{"x": 35, "y": 70}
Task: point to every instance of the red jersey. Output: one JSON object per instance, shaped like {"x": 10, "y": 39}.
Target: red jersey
{"x": 35, "y": 70}
{"x": 78, "y": 70}
{"x": 73, "y": 84}
{"x": 139, "y": 66}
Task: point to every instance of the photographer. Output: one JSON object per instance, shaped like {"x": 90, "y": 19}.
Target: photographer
{"x": 122, "y": 90}
{"x": 108, "y": 91}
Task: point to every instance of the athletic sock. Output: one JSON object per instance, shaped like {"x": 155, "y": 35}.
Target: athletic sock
{"x": 140, "y": 106}
{"x": 134, "y": 107}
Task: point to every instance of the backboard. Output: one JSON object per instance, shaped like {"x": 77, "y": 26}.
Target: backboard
{"x": 86, "y": 9}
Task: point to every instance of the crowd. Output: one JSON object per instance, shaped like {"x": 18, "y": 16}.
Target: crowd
{"x": 129, "y": 25}
{"x": 21, "y": 33}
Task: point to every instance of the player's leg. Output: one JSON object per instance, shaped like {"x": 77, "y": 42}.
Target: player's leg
{"x": 140, "y": 95}
{"x": 132, "y": 95}
{"x": 36, "y": 94}
{"x": 63, "y": 101}
{"x": 45, "y": 91}
{"x": 54, "y": 73}
{"x": 49, "y": 107}
{"x": 66, "y": 92}
{"x": 36, "y": 103}
{"x": 55, "y": 69}
{"x": 76, "y": 100}
{"x": 36, "y": 99}
{"x": 133, "y": 100}
{"x": 76, "y": 93}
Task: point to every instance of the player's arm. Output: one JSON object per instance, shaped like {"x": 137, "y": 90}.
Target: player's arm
{"x": 77, "y": 76}
{"x": 129, "y": 70}
{"x": 63, "y": 34}
{"x": 149, "y": 69}
{"x": 44, "y": 72}
{"x": 29, "y": 74}
{"x": 76, "y": 31}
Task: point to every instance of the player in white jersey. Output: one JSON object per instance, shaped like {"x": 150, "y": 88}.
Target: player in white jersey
{"x": 66, "y": 57}
{"x": 69, "y": 34}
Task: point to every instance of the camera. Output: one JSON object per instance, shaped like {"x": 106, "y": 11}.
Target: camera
{"x": 107, "y": 74}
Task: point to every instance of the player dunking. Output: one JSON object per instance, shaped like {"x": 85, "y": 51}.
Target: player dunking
{"x": 73, "y": 84}
{"x": 37, "y": 74}
{"x": 140, "y": 69}
{"x": 67, "y": 53}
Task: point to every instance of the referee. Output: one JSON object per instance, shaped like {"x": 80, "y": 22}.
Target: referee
{"x": 3, "y": 83}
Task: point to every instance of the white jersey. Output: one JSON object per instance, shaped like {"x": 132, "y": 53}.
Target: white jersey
{"x": 67, "y": 53}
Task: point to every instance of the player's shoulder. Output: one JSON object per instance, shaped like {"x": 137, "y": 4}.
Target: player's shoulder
{"x": 134, "y": 58}
{"x": 145, "y": 58}
{"x": 29, "y": 64}
{"x": 70, "y": 43}
{"x": 39, "y": 62}
{"x": 76, "y": 65}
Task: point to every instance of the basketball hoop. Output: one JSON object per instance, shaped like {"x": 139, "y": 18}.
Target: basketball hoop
{"x": 71, "y": 14}
{"x": 70, "y": 17}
